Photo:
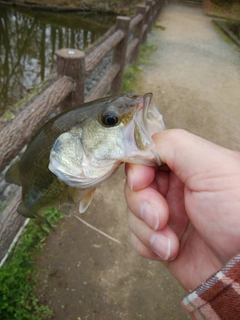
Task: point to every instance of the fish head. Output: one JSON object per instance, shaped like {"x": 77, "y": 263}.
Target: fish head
{"x": 118, "y": 130}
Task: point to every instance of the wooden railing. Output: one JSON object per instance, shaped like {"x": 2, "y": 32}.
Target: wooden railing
{"x": 67, "y": 90}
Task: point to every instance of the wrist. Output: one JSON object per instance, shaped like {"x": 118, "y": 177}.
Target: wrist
{"x": 219, "y": 296}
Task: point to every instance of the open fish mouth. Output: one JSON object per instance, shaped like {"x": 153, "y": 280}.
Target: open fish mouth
{"x": 147, "y": 122}
{"x": 147, "y": 98}
{"x": 151, "y": 117}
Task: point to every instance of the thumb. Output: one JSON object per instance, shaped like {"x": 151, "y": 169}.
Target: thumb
{"x": 188, "y": 155}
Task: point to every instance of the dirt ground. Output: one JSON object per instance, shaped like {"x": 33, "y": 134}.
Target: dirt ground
{"x": 195, "y": 78}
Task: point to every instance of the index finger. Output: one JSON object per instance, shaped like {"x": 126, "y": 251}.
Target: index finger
{"x": 139, "y": 176}
{"x": 191, "y": 157}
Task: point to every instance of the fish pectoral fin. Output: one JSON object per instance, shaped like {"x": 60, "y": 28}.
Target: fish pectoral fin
{"x": 67, "y": 201}
{"x": 86, "y": 200}
{"x": 13, "y": 174}
{"x": 71, "y": 196}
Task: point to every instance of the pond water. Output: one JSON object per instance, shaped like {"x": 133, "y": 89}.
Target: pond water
{"x": 29, "y": 40}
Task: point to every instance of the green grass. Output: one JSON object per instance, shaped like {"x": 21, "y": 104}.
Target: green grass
{"x": 130, "y": 78}
{"x": 145, "y": 52}
{"x": 132, "y": 71}
{"x": 2, "y": 207}
{"x": 17, "y": 275}
{"x": 159, "y": 27}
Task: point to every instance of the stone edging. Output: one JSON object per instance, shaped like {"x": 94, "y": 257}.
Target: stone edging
{"x": 227, "y": 32}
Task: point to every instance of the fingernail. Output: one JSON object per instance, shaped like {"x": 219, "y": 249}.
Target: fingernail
{"x": 161, "y": 245}
{"x": 150, "y": 215}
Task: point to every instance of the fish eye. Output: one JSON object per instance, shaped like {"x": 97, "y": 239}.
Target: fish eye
{"x": 109, "y": 119}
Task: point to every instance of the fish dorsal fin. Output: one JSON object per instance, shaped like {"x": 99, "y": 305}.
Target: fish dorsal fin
{"x": 13, "y": 174}
{"x": 86, "y": 200}
{"x": 67, "y": 201}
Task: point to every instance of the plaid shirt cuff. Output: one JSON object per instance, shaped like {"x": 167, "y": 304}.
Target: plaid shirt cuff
{"x": 218, "y": 297}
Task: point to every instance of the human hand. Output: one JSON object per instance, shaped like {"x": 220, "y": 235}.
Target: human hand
{"x": 186, "y": 213}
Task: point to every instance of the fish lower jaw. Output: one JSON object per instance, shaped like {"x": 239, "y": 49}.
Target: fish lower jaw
{"x": 90, "y": 176}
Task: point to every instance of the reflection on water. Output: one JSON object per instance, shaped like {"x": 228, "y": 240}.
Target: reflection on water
{"x": 29, "y": 40}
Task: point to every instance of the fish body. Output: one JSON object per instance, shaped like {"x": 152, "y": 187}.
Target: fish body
{"x": 72, "y": 153}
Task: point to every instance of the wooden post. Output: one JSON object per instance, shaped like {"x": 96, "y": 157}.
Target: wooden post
{"x": 146, "y": 23}
{"x": 138, "y": 32}
{"x": 119, "y": 54}
{"x": 150, "y": 3}
{"x": 156, "y": 7}
{"x": 11, "y": 222}
{"x": 71, "y": 63}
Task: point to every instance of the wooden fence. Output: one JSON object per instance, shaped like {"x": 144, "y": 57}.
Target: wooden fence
{"x": 73, "y": 66}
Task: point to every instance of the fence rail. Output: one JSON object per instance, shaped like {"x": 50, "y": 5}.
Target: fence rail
{"x": 73, "y": 66}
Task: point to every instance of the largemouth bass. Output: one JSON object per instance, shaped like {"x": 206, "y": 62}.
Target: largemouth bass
{"x": 78, "y": 149}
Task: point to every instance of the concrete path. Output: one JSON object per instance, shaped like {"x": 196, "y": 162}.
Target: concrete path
{"x": 195, "y": 77}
